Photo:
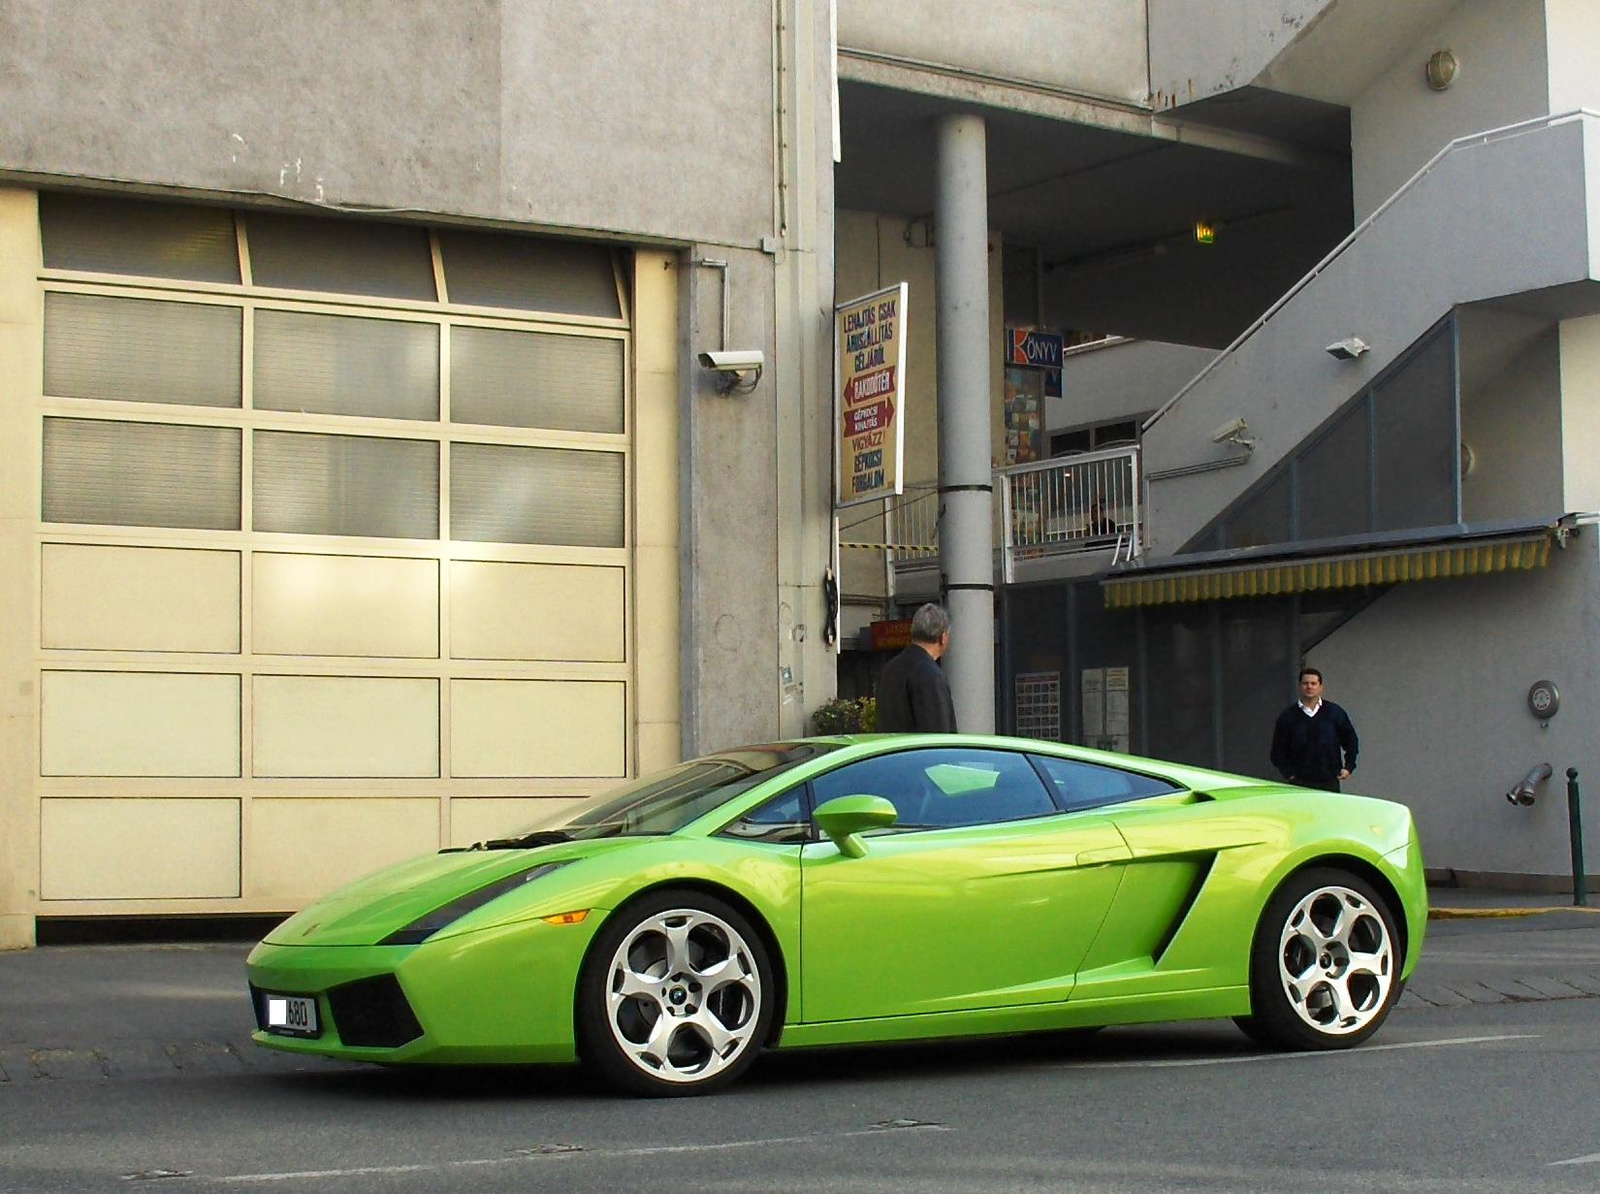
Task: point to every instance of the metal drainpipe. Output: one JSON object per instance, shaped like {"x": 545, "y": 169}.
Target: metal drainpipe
{"x": 966, "y": 532}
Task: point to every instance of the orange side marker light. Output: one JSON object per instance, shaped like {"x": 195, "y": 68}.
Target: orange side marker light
{"x": 567, "y": 918}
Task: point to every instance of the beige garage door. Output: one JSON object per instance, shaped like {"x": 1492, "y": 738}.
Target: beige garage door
{"x": 335, "y": 550}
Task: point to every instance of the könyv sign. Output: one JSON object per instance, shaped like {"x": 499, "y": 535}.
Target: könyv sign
{"x": 869, "y": 427}
{"x": 1029, "y": 346}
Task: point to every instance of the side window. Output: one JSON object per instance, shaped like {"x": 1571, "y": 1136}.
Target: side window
{"x": 783, "y": 819}
{"x": 941, "y": 789}
{"x": 1085, "y": 785}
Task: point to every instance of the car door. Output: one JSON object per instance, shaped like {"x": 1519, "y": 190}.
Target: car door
{"x": 983, "y": 895}
{"x": 1163, "y": 930}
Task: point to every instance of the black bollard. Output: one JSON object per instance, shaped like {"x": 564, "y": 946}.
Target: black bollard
{"x": 1580, "y": 894}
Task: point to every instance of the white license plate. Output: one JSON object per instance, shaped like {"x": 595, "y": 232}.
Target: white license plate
{"x": 292, "y": 1015}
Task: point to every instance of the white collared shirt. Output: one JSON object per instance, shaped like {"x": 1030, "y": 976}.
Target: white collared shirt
{"x": 1310, "y": 710}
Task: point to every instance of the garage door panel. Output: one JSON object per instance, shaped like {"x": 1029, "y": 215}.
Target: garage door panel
{"x": 371, "y": 606}
{"x": 137, "y": 848}
{"x": 536, "y": 611}
{"x": 563, "y": 729}
{"x": 139, "y": 724}
{"x": 167, "y": 599}
{"x": 303, "y": 847}
{"x": 477, "y": 819}
{"x": 319, "y": 727}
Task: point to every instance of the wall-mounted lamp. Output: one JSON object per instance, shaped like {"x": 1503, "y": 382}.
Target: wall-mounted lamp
{"x": 1205, "y": 232}
{"x": 1233, "y": 432}
{"x": 1441, "y": 69}
{"x": 1347, "y": 349}
{"x": 740, "y": 370}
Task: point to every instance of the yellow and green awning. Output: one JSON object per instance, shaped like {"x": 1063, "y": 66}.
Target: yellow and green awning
{"x": 1264, "y": 578}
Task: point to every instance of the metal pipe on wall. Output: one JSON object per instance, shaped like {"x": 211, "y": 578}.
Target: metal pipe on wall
{"x": 966, "y": 532}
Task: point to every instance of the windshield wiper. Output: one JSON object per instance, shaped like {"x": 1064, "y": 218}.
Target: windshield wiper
{"x": 539, "y": 837}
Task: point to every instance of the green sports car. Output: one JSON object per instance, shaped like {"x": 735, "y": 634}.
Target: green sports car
{"x": 874, "y": 888}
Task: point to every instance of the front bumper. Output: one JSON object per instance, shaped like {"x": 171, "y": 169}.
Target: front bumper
{"x": 502, "y": 995}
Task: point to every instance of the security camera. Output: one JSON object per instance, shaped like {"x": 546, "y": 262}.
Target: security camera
{"x": 1347, "y": 349}
{"x": 732, "y": 362}
{"x": 742, "y": 368}
{"x": 1229, "y": 431}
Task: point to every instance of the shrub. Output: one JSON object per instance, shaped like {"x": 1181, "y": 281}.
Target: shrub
{"x": 843, "y": 715}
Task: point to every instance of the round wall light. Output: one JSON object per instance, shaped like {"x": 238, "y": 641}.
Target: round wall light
{"x": 1441, "y": 70}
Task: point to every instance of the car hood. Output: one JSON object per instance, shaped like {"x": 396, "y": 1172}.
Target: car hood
{"x": 370, "y": 909}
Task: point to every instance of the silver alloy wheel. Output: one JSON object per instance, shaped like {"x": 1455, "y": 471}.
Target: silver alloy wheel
{"x": 1336, "y": 960}
{"x": 683, "y": 995}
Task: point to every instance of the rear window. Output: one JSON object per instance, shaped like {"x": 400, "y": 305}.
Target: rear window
{"x": 1078, "y": 785}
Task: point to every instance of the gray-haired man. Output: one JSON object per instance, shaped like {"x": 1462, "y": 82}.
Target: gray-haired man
{"x": 913, "y": 695}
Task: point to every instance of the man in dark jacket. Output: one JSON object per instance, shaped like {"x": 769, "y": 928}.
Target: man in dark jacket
{"x": 913, "y": 695}
{"x": 1314, "y": 744}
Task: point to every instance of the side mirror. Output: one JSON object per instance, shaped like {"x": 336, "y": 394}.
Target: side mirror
{"x": 844, "y": 817}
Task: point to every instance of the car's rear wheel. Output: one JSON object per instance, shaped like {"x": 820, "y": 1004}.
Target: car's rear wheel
{"x": 1325, "y": 964}
{"x": 676, "y": 996}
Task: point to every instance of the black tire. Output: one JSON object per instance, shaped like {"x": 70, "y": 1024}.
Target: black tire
{"x": 1252, "y": 1029}
{"x": 1344, "y": 1002}
{"x": 620, "y": 1051}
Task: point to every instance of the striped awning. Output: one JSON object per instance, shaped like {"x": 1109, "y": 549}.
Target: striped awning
{"x": 1263, "y": 578}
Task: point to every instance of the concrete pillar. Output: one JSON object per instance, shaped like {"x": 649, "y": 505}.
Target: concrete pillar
{"x": 966, "y": 530}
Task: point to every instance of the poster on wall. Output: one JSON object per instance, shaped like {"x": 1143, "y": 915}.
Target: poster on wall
{"x": 1103, "y": 697}
{"x": 1039, "y": 705}
{"x": 869, "y": 393}
{"x": 1024, "y": 415}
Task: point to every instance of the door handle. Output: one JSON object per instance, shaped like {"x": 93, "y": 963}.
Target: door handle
{"x": 1104, "y": 855}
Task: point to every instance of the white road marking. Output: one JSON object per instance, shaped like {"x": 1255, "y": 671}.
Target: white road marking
{"x": 525, "y": 1157}
{"x": 1256, "y": 1057}
{"x": 1590, "y": 1159}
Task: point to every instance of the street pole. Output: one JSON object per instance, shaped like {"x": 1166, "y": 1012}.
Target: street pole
{"x": 966, "y": 528}
{"x": 1580, "y": 894}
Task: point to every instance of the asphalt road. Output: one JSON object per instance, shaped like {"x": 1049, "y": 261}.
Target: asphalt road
{"x": 126, "y": 1069}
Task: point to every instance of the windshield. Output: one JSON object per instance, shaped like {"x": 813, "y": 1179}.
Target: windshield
{"x": 668, "y": 800}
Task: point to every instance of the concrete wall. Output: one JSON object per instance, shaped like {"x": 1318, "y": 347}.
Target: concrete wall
{"x": 499, "y": 109}
{"x": 728, "y": 535}
{"x": 1572, "y": 33}
{"x": 1580, "y": 412}
{"x": 1203, "y": 47}
{"x": 1424, "y": 256}
{"x": 1091, "y": 47}
{"x": 1512, "y": 422}
{"x": 1398, "y": 123}
{"x": 1120, "y": 380}
{"x": 1435, "y": 676}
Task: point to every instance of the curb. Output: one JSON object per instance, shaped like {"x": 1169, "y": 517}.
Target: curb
{"x": 1501, "y": 913}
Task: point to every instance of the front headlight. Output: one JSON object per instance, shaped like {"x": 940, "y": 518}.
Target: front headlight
{"x": 426, "y": 926}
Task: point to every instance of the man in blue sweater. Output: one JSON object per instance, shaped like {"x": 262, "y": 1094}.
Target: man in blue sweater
{"x": 1314, "y": 744}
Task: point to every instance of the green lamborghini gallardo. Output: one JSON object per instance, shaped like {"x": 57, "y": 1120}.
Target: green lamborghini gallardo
{"x": 848, "y": 890}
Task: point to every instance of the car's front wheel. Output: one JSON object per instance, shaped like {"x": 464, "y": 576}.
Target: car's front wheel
{"x": 1325, "y": 964}
{"x": 676, "y": 997}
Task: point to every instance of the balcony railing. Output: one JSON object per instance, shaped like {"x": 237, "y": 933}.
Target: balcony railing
{"x": 906, "y": 527}
{"x": 1071, "y": 504}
